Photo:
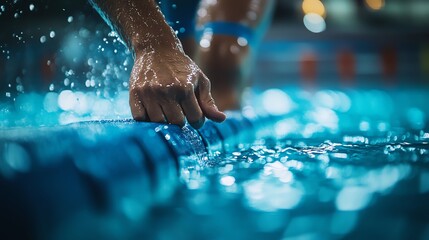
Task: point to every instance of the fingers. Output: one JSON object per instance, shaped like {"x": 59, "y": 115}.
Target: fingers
{"x": 169, "y": 112}
{"x": 207, "y": 103}
{"x": 155, "y": 113}
{"x": 192, "y": 104}
{"x": 138, "y": 110}
{"x": 173, "y": 113}
{"x": 193, "y": 111}
{"x": 152, "y": 112}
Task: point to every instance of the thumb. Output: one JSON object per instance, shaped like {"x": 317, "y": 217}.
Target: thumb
{"x": 207, "y": 102}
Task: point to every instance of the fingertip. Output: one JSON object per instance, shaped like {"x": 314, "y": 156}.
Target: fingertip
{"x": 182, "y": 123}
{"x": 139, "y": 115}
{"x": 209, "y": 108}
{"x": 198, "y": 124}
{"x": 139, "y": 118}
{"x": 219, "y": 117}
{"x": 212, "y": 112}
{"x": 216, "y": 115}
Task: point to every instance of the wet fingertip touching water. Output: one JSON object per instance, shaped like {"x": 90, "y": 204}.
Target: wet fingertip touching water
{"x": 113, "y": 130}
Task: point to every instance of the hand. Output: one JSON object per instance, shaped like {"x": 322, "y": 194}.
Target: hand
{"x": 167, "y": 87}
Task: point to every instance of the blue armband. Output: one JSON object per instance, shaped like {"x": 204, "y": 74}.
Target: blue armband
{"x": 227, "y": 28}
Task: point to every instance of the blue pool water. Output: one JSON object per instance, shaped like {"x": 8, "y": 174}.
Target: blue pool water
{"x": 332, "y": 141}
{"x": 326, "y": 164}
{"x": 343, "y": 159}
{"x": 351, "y": 186}
{"x": 330, "y": 175}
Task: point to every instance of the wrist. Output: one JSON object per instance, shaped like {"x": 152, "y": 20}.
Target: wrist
{"x": 153, "y": 35}
{"x": 161, "y": 46}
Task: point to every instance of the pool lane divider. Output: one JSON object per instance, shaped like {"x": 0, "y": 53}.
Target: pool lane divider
{"x": 67, "y": 176}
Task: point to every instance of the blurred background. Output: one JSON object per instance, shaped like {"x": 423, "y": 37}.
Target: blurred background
{"x": 348, "y": 81}
{"x": 63, "y": 48}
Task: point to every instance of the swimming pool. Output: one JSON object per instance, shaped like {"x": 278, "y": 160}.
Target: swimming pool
{"x": 332, "y": 143}
{"x": 318, "y": 165}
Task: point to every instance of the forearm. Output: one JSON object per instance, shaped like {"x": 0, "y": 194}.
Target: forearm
{"x": 139, "y": 23}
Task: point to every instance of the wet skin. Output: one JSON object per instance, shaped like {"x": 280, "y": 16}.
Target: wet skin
{"x": 166, "y": 85}
{"x": 227, "y": 63}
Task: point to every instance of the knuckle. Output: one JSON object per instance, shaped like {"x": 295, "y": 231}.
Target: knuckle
{"x": 145, "y": 89}
{"x": 134, "y": 92}
{"x": 210, "y": 100}
{"x": 134, "y": 102}
{"x": 187, "y": 90}
{"x": 189, "y": 87}
{"x": 204, "y": 83}
{"x": 159, "y": 90}
{"x": 204, "y": 78}
{"x": 207, "y": 83}
{"x": 137, "y": 91}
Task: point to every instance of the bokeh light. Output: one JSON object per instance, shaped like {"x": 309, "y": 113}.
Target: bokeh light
{"x": 374, "y": 4}
{"x": 276, "y": 102}
{"x": 313, "y": 6}
{"x": 314, "y": 23}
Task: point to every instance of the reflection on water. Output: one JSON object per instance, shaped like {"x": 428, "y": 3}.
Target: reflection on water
{"x": 339, "y": 164}
{"x": 305, "y": 188}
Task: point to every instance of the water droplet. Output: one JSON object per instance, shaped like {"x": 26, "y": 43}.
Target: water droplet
{"x": 242, "y": 41}
{"x": 227, "y": 180}
{"x": 20, "y": 88}
{"x": 43, "y": 39}
{"x": 69, "y": 73}
{"x": 52, "y": 34}
{"x": 202, "y": 12}
{"x": 364, "y": 126}
{"x": 50, "y": 103}
{"x": 16, "y": 157}
{"x": 205, "y": 43}
{"x": 70, "y": 19}
{"x": 31, "y": 7}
